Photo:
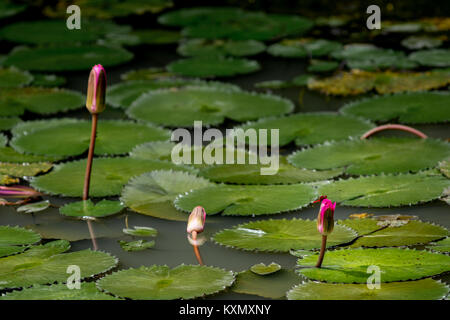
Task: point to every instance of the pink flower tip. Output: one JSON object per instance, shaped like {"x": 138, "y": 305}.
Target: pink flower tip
{"x": 95, "y": 101}
{"x": 325, "y": 218}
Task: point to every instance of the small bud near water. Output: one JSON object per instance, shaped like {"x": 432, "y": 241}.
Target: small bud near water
{"x": 196, "y": 221}
{"x": 95, "y": 101}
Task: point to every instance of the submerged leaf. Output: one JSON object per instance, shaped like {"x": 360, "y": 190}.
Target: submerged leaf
{"x": 34, "y": 207}
{"x": 137, "y": 245}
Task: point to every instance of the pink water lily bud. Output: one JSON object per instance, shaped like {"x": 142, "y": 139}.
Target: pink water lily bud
{"x": 18, "y": 192}
{"x": 96, "y": 92}
{"x": 196, "y": 221}
{"x": 325, "y": 218}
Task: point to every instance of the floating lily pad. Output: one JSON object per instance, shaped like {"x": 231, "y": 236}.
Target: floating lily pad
{"x": 153, "y": 193}
{"x": 157, "y": 36}
{"x": 67, "y": 57}
{"x": 411, "y": 233}
{"x": 141, "y": 232}
{"x": 248, "y": 200}
{"x": 406, "y": 27}
{"x": 374, "y": 156}
{"x": 386, "y": 190}
{"x": 322, "y": 66}
{"x": 156, "y": 150}
{"x": 251, "y": 174}
{"x": 444, "y": 167}
{"x": 303, "y": 48}
{"x": 201, "y": 47}
{"x": 123, "y": 94}
{"x": 48, "y": 263}
{"x": 281, "y": 235}
{"x": 432, "y": 58}
{"x": 15, "y": 240}
{"x": 213, "y": 66}
{"x": 108, "y": 9}
{"x": 313, "y": 128}
{"x": 440, "y": 246}
{"x": 350, "y": 265}
{"x": 6, "y": 123}
{"x": 3, "y": 140}
{"x": 9, "y": 8}
{"x": 161, "y": 282}
{"x": 272, "y": 286}
{"x": 14, "y": 78}
{"x": 417, "y": 107}
{"x": 109, "y": 175}
{"x": 361, "y": 226}
{"x": 192, "y": 16}
{"x": 137, "y": 245}
{"x": 8, "y": 154}
{"x": 88, "y": 209}
{"x": 69, "y": 137}
{"x": 56, "y": 31}
{"x": 263, "y": 270}
{"x": 421, "y": 42}
{"x": 34, "y": 207}
{"x": 48, "y": 80}
{"x": 59, "y": 291}
{"x": 14, "y": 102}
{"x": 357, "y": 82}
{"x": 153, "y": 73}
{"x": 24, "y": 169}
{"x": 210, "y": 105}
{"x": 426, "y": 289}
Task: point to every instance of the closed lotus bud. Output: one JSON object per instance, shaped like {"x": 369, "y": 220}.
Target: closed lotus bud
{"x": 18, "y": 192}
{"x": 96, "y": 92}
{"x": 325, "y": 218}
{"x": 196, "y": 221}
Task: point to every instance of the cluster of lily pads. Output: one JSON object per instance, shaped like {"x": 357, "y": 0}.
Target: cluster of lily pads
{"x": 133, "y": 157}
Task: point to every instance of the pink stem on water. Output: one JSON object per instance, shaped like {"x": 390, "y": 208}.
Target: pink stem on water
{"x": 394, "y": 127}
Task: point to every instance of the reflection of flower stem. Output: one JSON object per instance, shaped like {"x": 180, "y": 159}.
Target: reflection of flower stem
{"x": 196, "y": 250}
{"x": 126, "y": 221}
{"x": 322, "y": 251}
{"x": 87, "y": 177}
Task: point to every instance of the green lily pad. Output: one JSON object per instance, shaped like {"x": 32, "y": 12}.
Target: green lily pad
{"x": 201, "y": 47}
{"x": 59, "y": 291}
{"x": 426, "y": 289}
{"x": 9, "y": 8}
{"x": 156, "y": 150}
{"x": 374, "y": 156}
{"x": 213, "y": 66}
{"x": 192, "y": 16}
{"x": 34, "y": 207}
{"x": 24, "y": 169}
{"x": 109, "y": 175}
{"x": 361, "y": 226}
{"x": 417, "y": 107}
{"x": 15, "y": 240}
{"x": 313, "y": 128}
{"x": 157, "y": 36}
{"x": 263, "y": 270}
{"x": 281, "y": 235}
{"x": 161, "y": 282}
{"x": 154, "y": 73}
{"x": 210, "y": 105}
{"x": 48, "y": 80}
{"x": 123, "y": 94}
{"x": 153, "y": 193}
{"x": 56, "y": 31}
{"x": 247, "y": 200}
{"x": 14, "y": 78}
{"x": 137, "y": 245}
{"x": 67, "y": 58}
{"x": 432, "y": 58}
{"x": 386, "y": 190}
{"x": 141, "y": 232}
{"x": 421, "y": 42}
{"x": 273, "y": 286}
{"x": 411, "y": 233}
{"x": 6, "y": 123}
{"x": 251, "y": 174}
{"x": 322, "y": 66}
{"x": 440, "y": 246}
{"x": 48, "y": 263}
{"x": 8, "y": 154}
{"x": 444, "y": 167}
{"x": 70, "y": 137}
{"x": 3, "y": 140}
{"x": 406, "y": 27}
{"x": 303, "y": 48}
{"x": 14, "y": 101}
{"x": 87, "y": 209}
{"x": 350, "y": 265}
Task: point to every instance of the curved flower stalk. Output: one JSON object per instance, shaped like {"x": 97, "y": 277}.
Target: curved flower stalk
{"x": 400, "y": 127}
{"x": 325, "y": 224}
{"x": 95, "y": 103}
{"x": 195, "y": 225}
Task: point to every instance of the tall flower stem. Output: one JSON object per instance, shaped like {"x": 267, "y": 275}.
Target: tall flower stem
{"x": 87, "y": 177}
{"x": 196, "y": 250}
{"x": 323, "y": 248}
